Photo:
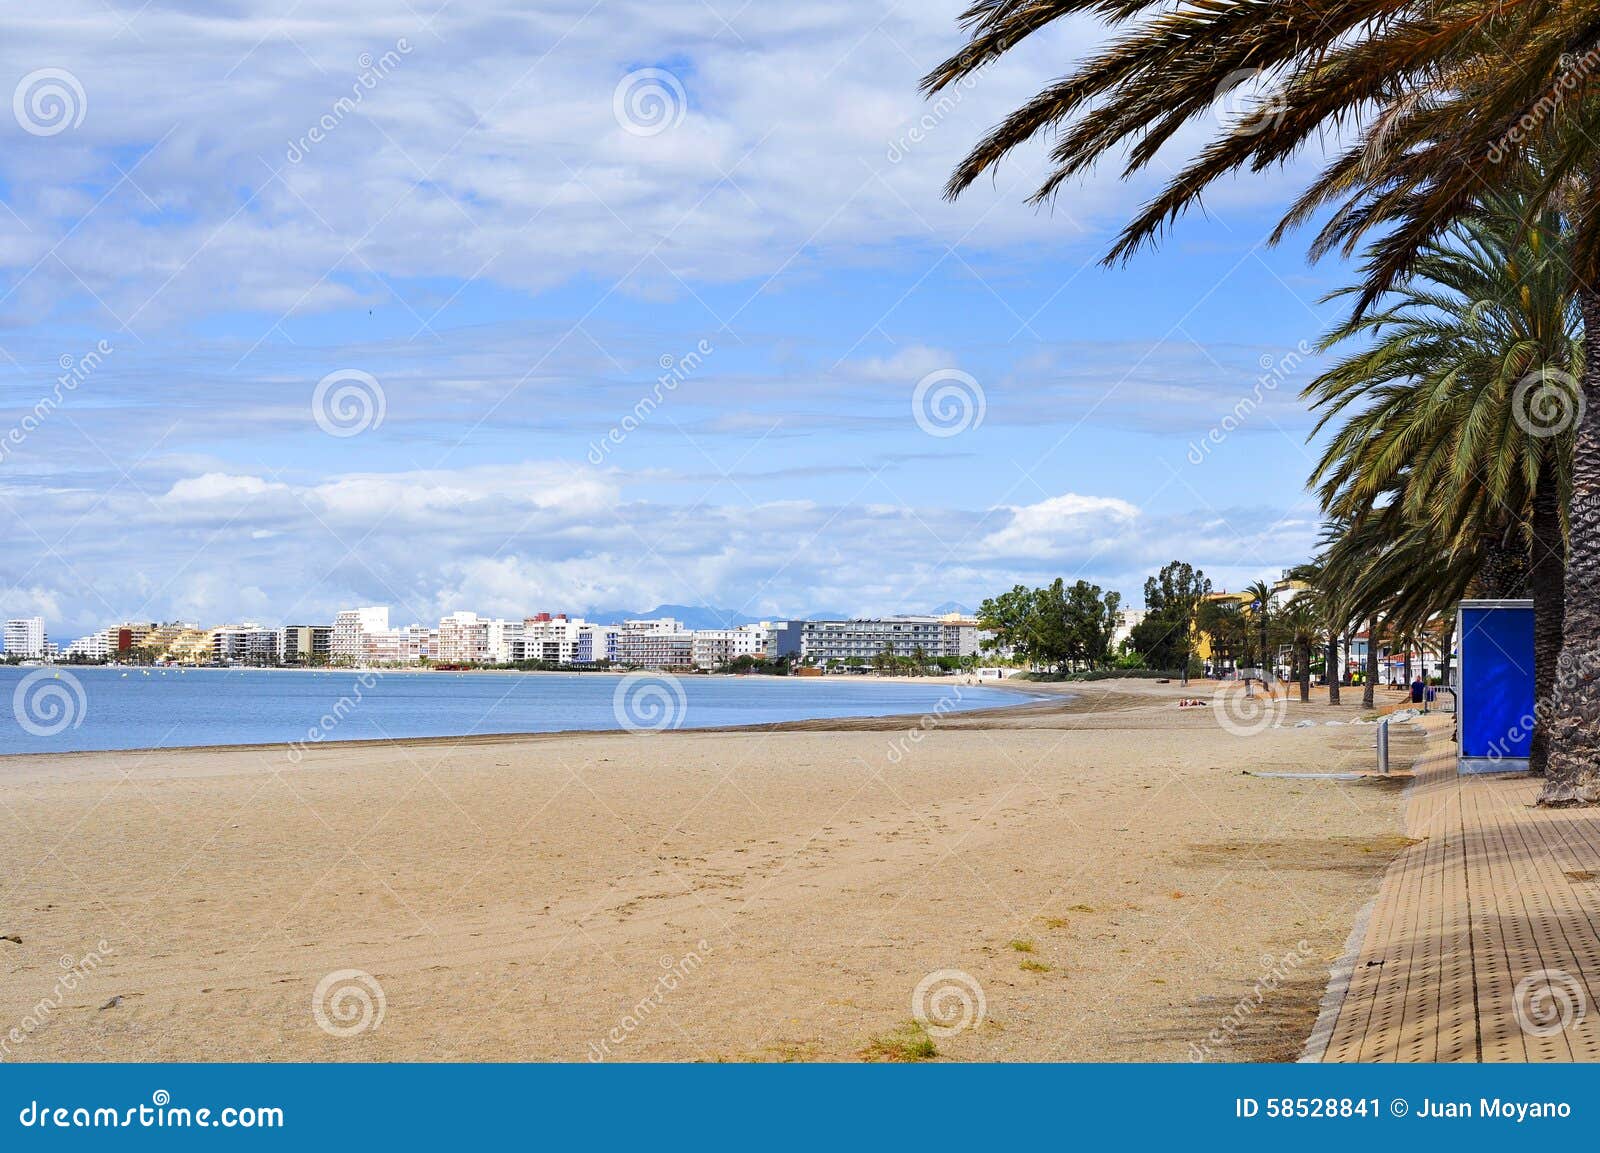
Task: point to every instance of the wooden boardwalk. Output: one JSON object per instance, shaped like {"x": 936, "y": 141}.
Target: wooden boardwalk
{"x": 1484, "y": 941}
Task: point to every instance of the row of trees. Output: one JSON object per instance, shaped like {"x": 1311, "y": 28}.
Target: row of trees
{"x": 1465, "y": 454}
{"x": 1055, "y": 627}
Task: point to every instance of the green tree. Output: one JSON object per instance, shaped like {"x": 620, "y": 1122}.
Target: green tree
{"x": 1165, "y": 638}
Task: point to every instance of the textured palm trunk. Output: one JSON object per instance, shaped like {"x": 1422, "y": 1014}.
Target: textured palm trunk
{"x": 1572, "y": 773}
{"x": 1546, "y": 571}
{"x": 1503, "y": 569}
{"x": 1303, "y": 659}
{"x": 1333, "y": 672}
{"x": 1369, "y": 682}
{"x": 1348, "y": 671}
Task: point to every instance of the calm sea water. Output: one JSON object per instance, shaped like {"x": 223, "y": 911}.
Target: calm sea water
{"x": 61, "y": 710}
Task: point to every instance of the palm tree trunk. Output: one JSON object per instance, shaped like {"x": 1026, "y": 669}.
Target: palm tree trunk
{"x": 1370, "y": 680}
{"x": 1332, "y": 660}
{"x": 1348, "y": 671}
{"x": 1572, "y": 773}
{"x": 1504, "y": 569}
{"x": 1546, "y": 569}
{"x": 1303, "y": 657}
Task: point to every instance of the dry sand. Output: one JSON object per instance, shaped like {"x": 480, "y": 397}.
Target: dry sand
{"x": 1104, "y": 871}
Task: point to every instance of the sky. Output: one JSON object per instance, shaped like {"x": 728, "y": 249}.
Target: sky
{"x": 578, "y": 306}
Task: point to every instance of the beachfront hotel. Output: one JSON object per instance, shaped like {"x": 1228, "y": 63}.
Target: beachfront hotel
{"x": 25, "y": 638}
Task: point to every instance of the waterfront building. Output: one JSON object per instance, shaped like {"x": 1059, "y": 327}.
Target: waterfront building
{"x": 25, "y": 638}
{"x": 860, "y": 639}
{"x": 661, "y": 643}
{"x": 350, "y": 626}
{"x": 305, "y": 644}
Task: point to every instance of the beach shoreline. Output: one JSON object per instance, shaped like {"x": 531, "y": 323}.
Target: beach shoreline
{"x": 1099, "y": 865}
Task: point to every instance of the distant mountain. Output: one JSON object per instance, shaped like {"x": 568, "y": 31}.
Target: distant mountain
{"x": 702, "y": 617}
{"x": 693, "y": 616}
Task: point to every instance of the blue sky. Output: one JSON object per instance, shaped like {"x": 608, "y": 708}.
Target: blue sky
{"x": 497, "y": 247}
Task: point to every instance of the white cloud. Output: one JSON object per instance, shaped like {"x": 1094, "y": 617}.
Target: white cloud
{"x": 1062, "y": 525}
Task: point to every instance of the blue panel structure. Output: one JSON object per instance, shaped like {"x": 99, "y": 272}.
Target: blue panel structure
{"x": 1497, "y": 689}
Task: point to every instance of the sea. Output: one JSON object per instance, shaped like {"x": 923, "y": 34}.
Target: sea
{"x": 82, "y": 708}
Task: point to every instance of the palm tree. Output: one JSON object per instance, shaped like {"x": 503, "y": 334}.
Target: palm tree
{"x": 1261, "y": 592}
{"x": 1453, "y": 358}
{"x": 1439, "y": 99}
{"x": 1302, "y": 627}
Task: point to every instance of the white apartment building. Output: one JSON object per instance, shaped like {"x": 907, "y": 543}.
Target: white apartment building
{"x": 656, "y": 644}
{"x": 463, "y": 638}
{"x": 712, "y": 647}
{"x": 25, "y": 637}
{"x": 407, "y": 646}
{"x": 500, "y": 640}
{"x": 351, "y": 625}
{"x": 861, "y": 639}
{"x": 247, "y": 644}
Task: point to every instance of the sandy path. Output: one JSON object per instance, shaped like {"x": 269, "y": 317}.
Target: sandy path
{"x": 770, "y": 895}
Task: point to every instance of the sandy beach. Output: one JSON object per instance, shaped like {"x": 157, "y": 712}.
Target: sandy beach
{"x": 1102, "y": 871}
